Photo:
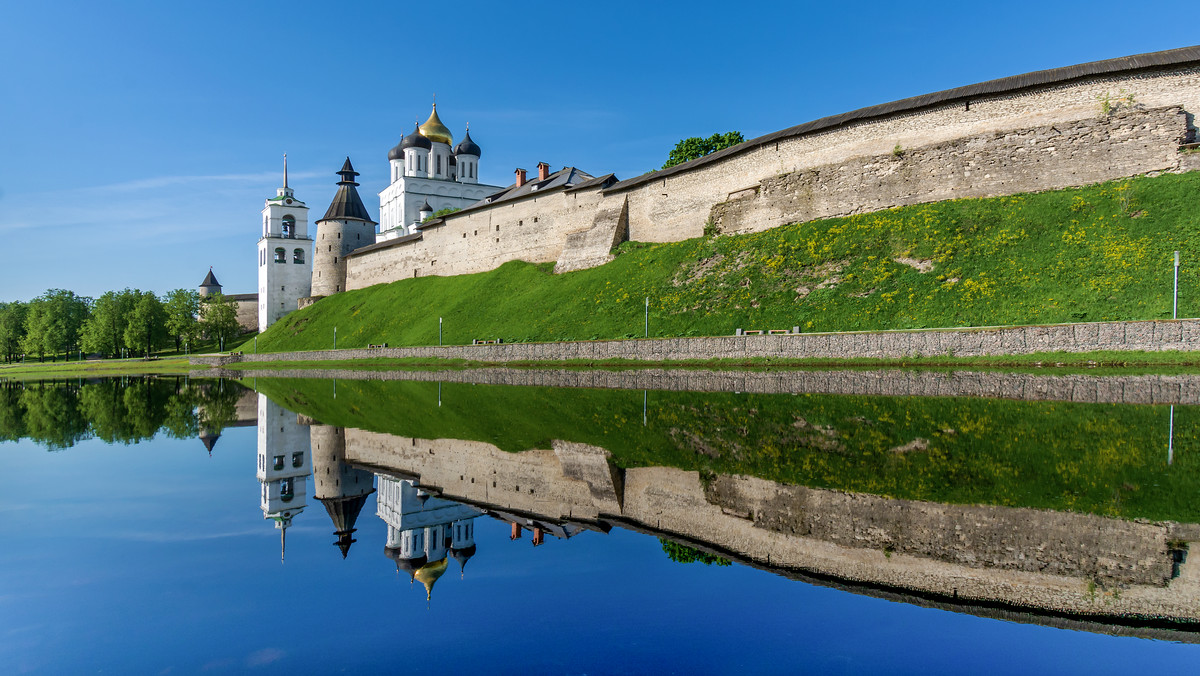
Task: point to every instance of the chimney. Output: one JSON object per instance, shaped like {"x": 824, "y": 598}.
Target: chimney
{"x": 520, "y": 177}
{"x": 543, "y": 171}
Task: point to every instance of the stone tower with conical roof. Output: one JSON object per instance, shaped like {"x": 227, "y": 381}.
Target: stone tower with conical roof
{"x": 346, "y": 226}
{"x": 342, "y": 488}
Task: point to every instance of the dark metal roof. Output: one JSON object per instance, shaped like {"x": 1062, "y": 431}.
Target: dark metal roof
{"x": 210, "y": 279}
{"x": 603, "y": 181}
{"x": 239, "y": 297}
{"x": 467, "y": 146}
{"x": 1006, "y": 85}
{"x": 415, "y": 140}
{"x": 347, "y": 205}
{"x": 385, "y": 244}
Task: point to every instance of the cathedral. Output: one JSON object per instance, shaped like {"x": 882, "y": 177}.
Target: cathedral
{"x": 428, "y": 176}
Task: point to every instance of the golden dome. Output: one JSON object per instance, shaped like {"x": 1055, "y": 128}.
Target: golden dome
{"x": 434, "y": 130}
{"x": 429, "y": 573}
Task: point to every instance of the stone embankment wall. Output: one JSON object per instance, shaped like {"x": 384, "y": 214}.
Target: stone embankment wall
{"x": 1031, "y": 133}
{"x": 1076, "y": 388}
{"x": 534, "y": 229}
{"x": 1050, "y": 561}
{"x": 1152, "y": 336}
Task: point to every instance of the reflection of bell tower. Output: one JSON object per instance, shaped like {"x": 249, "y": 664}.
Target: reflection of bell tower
{"x": 283, "y": 465}
{"x": 422, "y": 530}
{"x": 343, "y": 489}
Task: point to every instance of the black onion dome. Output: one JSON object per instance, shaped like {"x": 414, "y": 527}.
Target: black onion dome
{"x": 415, "y": 140}
{"x": 467, "y": 146}
{"x": 403, "y": 563}
{"x": 397, "y": 153}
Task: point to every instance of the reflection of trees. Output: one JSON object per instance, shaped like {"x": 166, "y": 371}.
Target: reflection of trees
{"x": 116, "y": 410}
{"x": 52, "y": 416}
{"x": 685, "y": 554}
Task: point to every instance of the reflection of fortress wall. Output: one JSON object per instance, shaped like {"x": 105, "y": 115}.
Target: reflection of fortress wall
{"x": 477, "y": 472}
{"x": 1047, "y": 561}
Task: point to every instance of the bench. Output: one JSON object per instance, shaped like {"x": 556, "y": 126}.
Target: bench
{"x": 477, "y": 341}
{"x": 376, "y": 347}
{"x": 770, "y": 332}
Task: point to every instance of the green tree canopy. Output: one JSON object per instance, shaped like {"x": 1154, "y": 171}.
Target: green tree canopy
{"x": 691, "y": 148}
{"x": 104, "y": 331}
{"x": 54, "y": 322}
{"x": 183, "y": 310}
{"x": 147, "y": 327}
{"x": 12, "y": 328}
{"x": 219, "y": 319}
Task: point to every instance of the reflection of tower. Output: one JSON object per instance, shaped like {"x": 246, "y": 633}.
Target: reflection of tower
{"x": 423, "y": 530}
{"x": 283, "y": 465}
{"x": 342, "y": 488}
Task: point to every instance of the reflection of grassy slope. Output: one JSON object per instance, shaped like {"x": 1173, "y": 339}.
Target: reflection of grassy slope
{"x": 1104, "y": 459}
{"x": 1087, "y": 254}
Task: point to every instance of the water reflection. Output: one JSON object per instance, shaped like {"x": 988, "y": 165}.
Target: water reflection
{"x": 1062, "y": 567}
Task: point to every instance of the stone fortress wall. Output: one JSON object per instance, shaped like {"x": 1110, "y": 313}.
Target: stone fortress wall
{"x": 1040, "y": 131}
{"x": 1057, "y": 562}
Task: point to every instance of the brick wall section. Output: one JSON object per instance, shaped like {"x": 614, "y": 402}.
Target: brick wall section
{"x": 676, "y": 207}
{"x": 534, "y": 229}
{"x": 1073, "y": 153}
{"x": 1153, "y": 336}
{"x": 1076, "y": 388}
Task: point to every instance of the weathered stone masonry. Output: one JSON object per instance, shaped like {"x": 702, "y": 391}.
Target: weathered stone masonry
{"x": 1040, "y": 131}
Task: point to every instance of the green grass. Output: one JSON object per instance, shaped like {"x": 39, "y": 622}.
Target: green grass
{"x": 1098, "y": 458}
{"x": 1102, "y": 252}
{"x": 1095, "y": 363}
{"x": 95, "y": 367}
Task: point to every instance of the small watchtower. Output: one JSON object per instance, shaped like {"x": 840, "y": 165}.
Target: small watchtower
{"x": 346, "y": 226}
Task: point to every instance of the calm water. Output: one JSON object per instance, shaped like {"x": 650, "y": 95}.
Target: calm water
{"x": 534, "y": 530}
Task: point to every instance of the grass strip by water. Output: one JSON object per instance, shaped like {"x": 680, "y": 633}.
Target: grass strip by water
{"x": 96, "y": 368}
{"x": 1097, "y": 363}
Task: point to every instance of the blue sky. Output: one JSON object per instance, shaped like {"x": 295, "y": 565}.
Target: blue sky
{"x": 139, "y": 140}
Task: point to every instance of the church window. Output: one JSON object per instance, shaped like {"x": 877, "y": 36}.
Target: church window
{"x": 280, "y": 255}
{"x": 287, "y": 490}
{"x": 298, "y": 256}
{"x": 297, "y": 459}
{"x": 278, "y": 462}
{"x": 439, "y": 164}
{"x": 289, "y": 226}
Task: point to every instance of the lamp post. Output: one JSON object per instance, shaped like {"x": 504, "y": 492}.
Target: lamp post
{"x": 647, "y": 332}
{"x": 439, "y": 331}
{"x": 335, "y": 337}
{"x": 1175, "y": 301}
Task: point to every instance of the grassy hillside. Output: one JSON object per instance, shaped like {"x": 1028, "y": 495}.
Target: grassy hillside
{"x": 1090, "y": 254}
{"x": 1099, "y": 458}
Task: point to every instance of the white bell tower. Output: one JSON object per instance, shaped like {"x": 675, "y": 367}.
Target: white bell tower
{"x": 284, "y": 255}
{"x": 284, "y": 465}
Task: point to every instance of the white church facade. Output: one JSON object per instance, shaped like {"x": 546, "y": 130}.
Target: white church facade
{"x": 284, "y": 255}
{"x": 428, "y": 173}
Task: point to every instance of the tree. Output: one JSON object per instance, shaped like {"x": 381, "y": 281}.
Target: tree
{"x": 12, "y": 328}
{"x": 691, "y": 148}
{"x": 54, "y": 321}
{"x": 219, "y": 319}
{"x": 183, "y": 308}
{"x": 685, "y": 554}
{"x": 104, "y": 331}
{"x": 147, "y": 327}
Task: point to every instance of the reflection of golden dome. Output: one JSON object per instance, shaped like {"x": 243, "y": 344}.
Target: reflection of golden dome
{"x": 434, "y": 130}
{"x": 429, "y": 573}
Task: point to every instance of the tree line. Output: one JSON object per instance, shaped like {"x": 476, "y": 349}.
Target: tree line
{"x": 118, "y": 323}
{"x": 126, "y": 410}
